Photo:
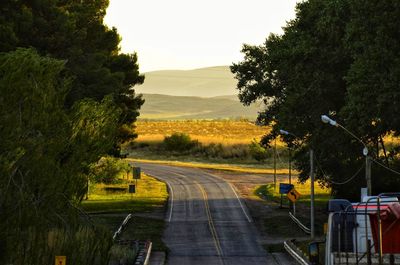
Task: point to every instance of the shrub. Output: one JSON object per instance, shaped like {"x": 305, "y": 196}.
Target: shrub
{"x": 108, "y": 169}
{"x": 179, "y": 142}
{"x": 258, "y": 152}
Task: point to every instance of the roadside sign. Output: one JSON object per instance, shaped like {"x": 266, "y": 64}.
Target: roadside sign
{"x": 293, "y": 195}
{"x": 132, "y": 188}
{"x": 284, "y": 188}
{"x": 61, "y": 260}
{"x": 136, "y": 172}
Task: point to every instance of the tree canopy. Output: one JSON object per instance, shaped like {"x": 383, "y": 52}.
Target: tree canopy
{"x": 66, "y": 100}
{"x": 74, "y": 31}
{"x": 338, "y": 58}
{"x": 45, "y": 149}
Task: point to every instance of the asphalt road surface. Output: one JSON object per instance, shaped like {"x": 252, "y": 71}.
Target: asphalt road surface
{"x": 207, "y": 223}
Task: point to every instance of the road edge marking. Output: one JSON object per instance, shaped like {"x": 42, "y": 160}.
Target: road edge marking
{"x": 240, "y": 202}
{"x": 171, "y": 207}
{"x": 234, "y": 191}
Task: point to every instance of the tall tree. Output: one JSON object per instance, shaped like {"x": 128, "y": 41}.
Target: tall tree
{"x": 311, "y": 70}
{"x": 45, "y": 152}
{"x": 74, "y": 31}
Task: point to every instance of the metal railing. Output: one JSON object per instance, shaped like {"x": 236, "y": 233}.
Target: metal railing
{"x": 295, "y": 253}
{"x": 298, "y": 222}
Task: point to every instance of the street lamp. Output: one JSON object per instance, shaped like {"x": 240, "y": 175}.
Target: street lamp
{"x": 290, "y": 155}
{"x": 326, "y": 119}
{"x": 312, "y": 211}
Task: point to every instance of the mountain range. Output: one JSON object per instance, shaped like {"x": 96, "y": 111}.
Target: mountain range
{"x": 206, "y": 93}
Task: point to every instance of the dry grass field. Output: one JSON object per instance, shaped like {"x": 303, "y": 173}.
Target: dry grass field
{"x": 227, "y": 132}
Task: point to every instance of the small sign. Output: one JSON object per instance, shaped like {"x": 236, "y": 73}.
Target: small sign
{"x": 284, "y": 188}
{"x": 132, "y": 188}
{"x": 61, "y": 260}
{"x": 293, "y": 195}
{"x": 325, "y": 228}
{"x": 313, "y": 253}
{"x": 136, "y": 172}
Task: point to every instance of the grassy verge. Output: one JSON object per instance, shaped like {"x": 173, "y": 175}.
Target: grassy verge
{"x": 257, "y": 169}
{"x": 321, "y": 194}
{"x": 279, "y": 224}
{"x": 108, "y": 209}
{"x": 150, "y": 195}
{"x": 147, "y": 229}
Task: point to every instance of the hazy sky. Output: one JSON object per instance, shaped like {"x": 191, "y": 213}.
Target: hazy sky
{"x": 189, "y": 34}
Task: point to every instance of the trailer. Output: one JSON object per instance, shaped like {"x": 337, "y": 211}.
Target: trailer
{"x": 361, "y": 233}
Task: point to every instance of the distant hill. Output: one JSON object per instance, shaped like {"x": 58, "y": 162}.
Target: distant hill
{"x": 178, "y": 107}
{"x": 204, "y": 82}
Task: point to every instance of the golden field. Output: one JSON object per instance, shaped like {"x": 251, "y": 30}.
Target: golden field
{"x": 227, "y": 132}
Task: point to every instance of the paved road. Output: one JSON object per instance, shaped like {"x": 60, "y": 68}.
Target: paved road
{"x": 207, "y": 222}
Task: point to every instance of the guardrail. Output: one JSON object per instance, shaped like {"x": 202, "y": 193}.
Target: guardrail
{"x": 295, "y": 253}
{"x": 143, "y": 257}
{"x": 150, "y": 247}
{"x": 122, "y": 226}
{"x": 297, "y": 221}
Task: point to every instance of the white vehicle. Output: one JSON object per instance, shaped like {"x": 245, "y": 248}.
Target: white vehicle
{"x": 363, "y": 233}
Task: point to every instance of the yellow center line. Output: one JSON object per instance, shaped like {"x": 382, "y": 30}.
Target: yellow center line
{"x": 210, "y": 221}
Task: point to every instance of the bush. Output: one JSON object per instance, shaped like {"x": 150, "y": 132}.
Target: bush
{"x": 179, "y": 142}
{"x": 108, "y": 169}
{"x": 258, "y": 152}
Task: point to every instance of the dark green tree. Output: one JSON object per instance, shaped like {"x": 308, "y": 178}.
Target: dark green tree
{"x": 74, "y": 31}
{"x": 45, "y": 155}
{"x": 318, "y": 67}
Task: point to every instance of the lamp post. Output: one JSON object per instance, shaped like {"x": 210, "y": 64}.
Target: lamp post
{"x": 275, "y": 164}
{"x": 290, "y": 155}
{"x": 312, "y": 211}
{"x": 326, "y": 119}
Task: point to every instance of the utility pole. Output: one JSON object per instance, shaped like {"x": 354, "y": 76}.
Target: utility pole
{"x": 368, "y": 174}
{"x": 290, "y": 166}
{"x": 275, "y": 165}
{"x": 312, "y": 211}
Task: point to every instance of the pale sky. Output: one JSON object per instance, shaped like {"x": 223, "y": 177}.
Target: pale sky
{"x": 190, "y": 34}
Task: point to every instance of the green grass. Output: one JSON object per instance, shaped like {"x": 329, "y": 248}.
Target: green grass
{"x": 321, "y": 194}
{"x": 110, "y": 222}
{"x": 150, "y": 195}
{"x": 109, "y": 209}
{"x": 143, "y": 228}
{"x": 280, "y": 224}
{"x": 120, "y": 205}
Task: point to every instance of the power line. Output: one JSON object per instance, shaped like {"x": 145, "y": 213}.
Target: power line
{"x": 339, "y": 183}
{"x": 350, "y": 179}
{"x": 384, "y": 166}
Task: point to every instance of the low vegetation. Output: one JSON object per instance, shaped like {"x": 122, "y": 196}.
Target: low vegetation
{"x": 150, "y": 195}
{"x": 216, "y": 141}
{"x": 109, "y": 204}
{"x": 227, "y": 132}
{"x": 279, "y": 223}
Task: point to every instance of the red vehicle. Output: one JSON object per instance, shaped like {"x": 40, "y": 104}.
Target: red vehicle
{"x": 364, "y": 233}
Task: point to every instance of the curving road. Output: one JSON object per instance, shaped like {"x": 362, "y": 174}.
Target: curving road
{"x": 207, "y": 222}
